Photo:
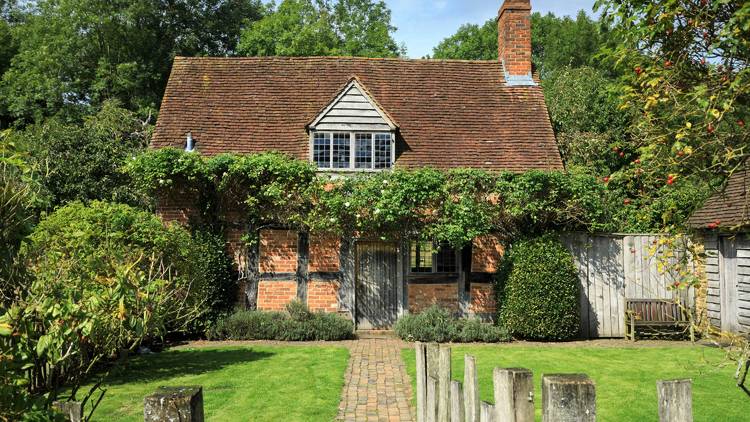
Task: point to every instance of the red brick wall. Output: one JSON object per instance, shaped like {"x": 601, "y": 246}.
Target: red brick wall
{"x": 486, "y": 254}
{"x": 177, "y": 208}
{"x": 482, "y": 299}
{"x": 275, "y": 295}
{"x": 278, "y": 251}
{"x": 514, "y": 37}
{"x": 324, "y": 254}
{"x": 422, "y": 296}
{"x": 322, "y": 296}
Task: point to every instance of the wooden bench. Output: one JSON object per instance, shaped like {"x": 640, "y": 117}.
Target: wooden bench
{"x": 655, "y": 314}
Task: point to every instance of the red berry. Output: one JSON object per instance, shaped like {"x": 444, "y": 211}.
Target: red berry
{"x": 622, "y": 154}
{"x": 681, "y": 153}
{"x": 638, "y": 70}
{"x": 668, "y": 63}
{"x": 711, "y": 128}
{"x": 741, "y": 123}
{"x": 703, "y": 60}
{"x": 626, "y": 202}
{"x": 606, "y": 179}
{"x": 717, "y": 222}
{"x": 637, "y": 161}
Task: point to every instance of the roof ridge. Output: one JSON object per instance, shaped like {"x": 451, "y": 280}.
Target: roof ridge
{"x": 301, "y": 58}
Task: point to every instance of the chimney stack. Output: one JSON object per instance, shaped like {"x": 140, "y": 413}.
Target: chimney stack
{"x": 514, "y": 41}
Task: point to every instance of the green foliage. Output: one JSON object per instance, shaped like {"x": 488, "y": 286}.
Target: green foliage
{"x": 21, "y": 195}
{"x": 538, "y": 290}
{"x": 687, "y": 79}
{"x": 453, "y": 206}
{"x": 166, "y": 171}
{"x": 436, "y": 324}
{"x": 296, "y": 324}
{"x": 557, "y": 42}
{"x": 103, "y": 278}
{"x": 272, "y": 187}
{"x": 75, "y": 54}
{"x": 322, "y": 28}
{"x": 539, "y": 201}
{"x": 82, "y": 162}
{"x": 80, "y": 247}
{"x": 470, "y": 42}
{"x": 217, "y": 268}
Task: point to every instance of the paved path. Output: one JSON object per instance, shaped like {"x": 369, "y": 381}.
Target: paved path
{"x": 377, "y": 387}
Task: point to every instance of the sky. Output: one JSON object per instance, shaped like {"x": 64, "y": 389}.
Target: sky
{"x": 422, "y": 24}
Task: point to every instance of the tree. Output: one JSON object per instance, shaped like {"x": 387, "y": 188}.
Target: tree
{"x": 75, "y": 54}
{"x": 322, "y": 28}
{"x": 688, "y": 81}
{"x": 83, "y": 161}
{"x": 584, "y": 109}
{"x": 556, "y": 42}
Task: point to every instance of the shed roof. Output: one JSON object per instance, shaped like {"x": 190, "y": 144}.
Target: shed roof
{"x": 730, "y": 206}
{"x": 450, "y": 113}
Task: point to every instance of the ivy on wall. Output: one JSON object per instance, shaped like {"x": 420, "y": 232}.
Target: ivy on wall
{"x": 454, "y": 206}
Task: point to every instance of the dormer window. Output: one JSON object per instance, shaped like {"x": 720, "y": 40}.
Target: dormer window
{"x": 353, "y": 133}
{"x": 350, "y": 151}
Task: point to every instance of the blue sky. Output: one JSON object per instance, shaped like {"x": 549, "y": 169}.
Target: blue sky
{"x": 422, "y": 24}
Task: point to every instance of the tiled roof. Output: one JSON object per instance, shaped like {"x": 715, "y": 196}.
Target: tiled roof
{"x": 729, "y": 207}
{"x": 450, "y": 113}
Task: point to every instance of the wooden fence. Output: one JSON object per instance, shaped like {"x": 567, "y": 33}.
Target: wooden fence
{"x": 613, "y": 268}
{"x": 565, "y": 397}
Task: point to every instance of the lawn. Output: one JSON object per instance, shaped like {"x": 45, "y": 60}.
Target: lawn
{"x": 259, "y": 383}
{"x": 625, "y": 377}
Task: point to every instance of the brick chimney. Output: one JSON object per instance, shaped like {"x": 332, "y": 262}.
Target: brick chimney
{"x": 514, "y": 41}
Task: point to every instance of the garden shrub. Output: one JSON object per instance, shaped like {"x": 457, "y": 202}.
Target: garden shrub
{"x": 103, "y": 279}
{"x": 437, "y": 324}
{"x": 538, "y": 290}
{"x": 296, "y": 324}
{"x": 216, "y": 267}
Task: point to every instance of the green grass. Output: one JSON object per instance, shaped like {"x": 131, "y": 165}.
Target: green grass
{"x": 259, "y": 383}
{"x": 625, "y": 377}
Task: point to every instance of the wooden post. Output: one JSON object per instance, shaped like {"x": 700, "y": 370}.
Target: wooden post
{"x": 72, "y": 410}
{"x": 487, "y": 412}
{"x": 444, "y": 384}
{"x": 457, "y": 402}
{"x": 174, "y": 404}
{"x": 675, "y": 400}
{"x": 421, "y": 351}
{"x": 471, "y": 389}
{"x": 433, "y": 360}
{"x": 568, "y": 398}
{"x": 514, "y": 395}
{"x": 431, "y": 406}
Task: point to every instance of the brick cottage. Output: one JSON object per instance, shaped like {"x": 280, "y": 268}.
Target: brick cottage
{"x": 356, "y": 116}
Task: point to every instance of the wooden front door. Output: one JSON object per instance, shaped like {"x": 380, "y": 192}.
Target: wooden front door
{"x": 728, "y": 288}
{"x": 376, "y": 285}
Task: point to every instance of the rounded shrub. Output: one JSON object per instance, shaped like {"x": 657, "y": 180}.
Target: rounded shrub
{"x": 538, "y": 290}
{"x": 80, "y": 249}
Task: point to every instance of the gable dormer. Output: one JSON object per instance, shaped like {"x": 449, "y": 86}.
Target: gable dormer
{"x": 353, "y": 133}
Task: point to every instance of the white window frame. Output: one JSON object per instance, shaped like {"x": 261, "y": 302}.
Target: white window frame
{"x": 352, "y": 151}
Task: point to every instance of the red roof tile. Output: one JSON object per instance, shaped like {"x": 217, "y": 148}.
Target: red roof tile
{"x": 730, "y": 207}
{"x": 451, "y": 113}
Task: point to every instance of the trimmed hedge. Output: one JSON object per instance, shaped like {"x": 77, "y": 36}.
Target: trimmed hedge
{"x": 296, "y": 324}
{"x": 539, "y": 291}
{"x": 437, "y": 324}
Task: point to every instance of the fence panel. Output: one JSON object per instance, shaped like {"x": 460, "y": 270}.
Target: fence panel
{"x": 613, "y": 268}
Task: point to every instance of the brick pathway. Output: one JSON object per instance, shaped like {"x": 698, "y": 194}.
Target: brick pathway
{"x": 377, "y": 387}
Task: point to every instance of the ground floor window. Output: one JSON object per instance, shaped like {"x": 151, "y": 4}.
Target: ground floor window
{"x": 429, "y": 257}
